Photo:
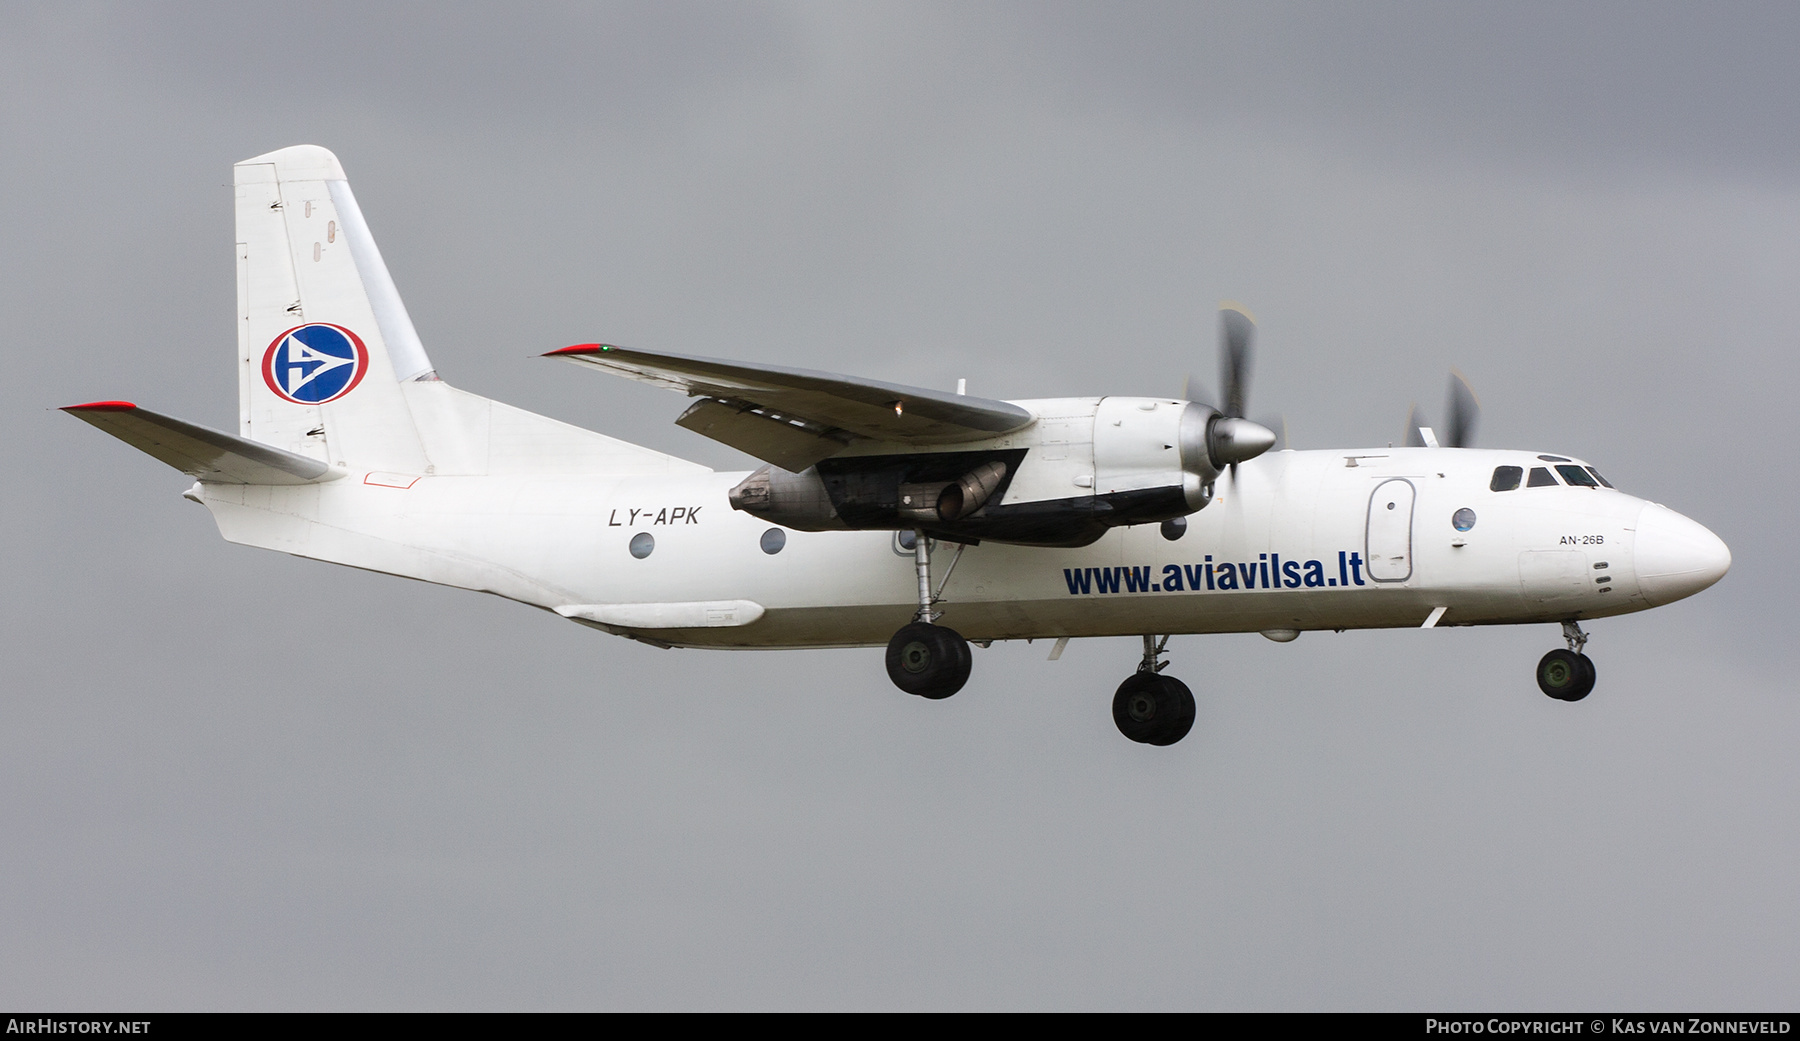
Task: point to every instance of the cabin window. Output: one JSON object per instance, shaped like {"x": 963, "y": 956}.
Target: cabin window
{"x": 1603, "y": 481}
{"x": 1540, "y": 478}
{"x": 773, "y": 540}
{"x": 1174, "y": 528}
{"x": 1463, "y": 519}
{"x": 642, "y": 544}
{"x": 1506, "y": 478}
{"x": 1576, "y": 476}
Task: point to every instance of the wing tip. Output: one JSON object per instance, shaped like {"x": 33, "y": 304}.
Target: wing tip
{"x": 101, "y": 406}
{"x": 580, "y": 348}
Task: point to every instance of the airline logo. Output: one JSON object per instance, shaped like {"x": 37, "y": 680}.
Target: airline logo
{"x": 313, "y": 364}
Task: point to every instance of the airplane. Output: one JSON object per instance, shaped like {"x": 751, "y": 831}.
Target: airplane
{"x": 1061, "y": 518}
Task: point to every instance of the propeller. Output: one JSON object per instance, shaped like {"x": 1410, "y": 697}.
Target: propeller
{"x": 1236, "y": 330}
{"x": 1215, "y": 440}
{"x": 1464, "y": 410}
{"x": 1234, "y": 438}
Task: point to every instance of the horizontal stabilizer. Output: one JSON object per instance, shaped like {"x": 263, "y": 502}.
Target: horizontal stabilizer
{"x": 203, "y": 453}
{"x": 783, "y": 415}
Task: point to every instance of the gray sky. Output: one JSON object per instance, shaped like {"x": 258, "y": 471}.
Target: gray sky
{"x": 233, "y": 779}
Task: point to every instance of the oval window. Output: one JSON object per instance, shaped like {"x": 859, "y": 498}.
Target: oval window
{"x": 1463, "y": 519}
{"x": 1174, "y": 528}
{"x": 773, "y": 540}
{"x": 642, "y": 543}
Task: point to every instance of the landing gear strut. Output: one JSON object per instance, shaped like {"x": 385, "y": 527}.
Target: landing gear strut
{"x": 1151, "y": 708}
{"x": 929, "y": 660}
{"x": 1567, "y": 675}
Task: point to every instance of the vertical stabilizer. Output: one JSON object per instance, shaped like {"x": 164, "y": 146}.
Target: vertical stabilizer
{"x": 323, "y": 339}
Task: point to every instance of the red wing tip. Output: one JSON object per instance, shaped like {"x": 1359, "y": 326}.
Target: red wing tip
{"x": 582, "y": 348}
{"x": 101, "y": 406}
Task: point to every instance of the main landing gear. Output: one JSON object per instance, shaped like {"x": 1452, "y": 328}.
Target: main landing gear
{"x": 1567, "y": 675}
{"x": 929, "y": 660}
{"x": 933, "y": 661}
{"x": 1151, "y": 708}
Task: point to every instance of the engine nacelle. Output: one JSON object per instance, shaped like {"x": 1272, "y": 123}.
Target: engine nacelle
{"x": 1152, "y": 443}
{"x": 1085, "y": 465}
{"x": 794, "y": 500}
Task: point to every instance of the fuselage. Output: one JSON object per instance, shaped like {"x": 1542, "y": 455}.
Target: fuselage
{"x": 1053, "y": 518}
{"x": 1294, "y": 540}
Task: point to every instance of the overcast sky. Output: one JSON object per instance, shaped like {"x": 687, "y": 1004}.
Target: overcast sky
{"x": 235, "y": 779}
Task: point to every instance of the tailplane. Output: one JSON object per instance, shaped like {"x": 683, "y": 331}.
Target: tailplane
{"x": 201, "y": 452}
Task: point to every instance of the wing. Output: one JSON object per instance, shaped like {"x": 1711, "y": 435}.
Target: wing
{"x": 796, "y": 417}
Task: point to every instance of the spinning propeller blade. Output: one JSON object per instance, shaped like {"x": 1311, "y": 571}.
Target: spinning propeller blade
{"x": 1236, "y": 329}
{"x": 1227, "y": 438}
{"x": 1463, "y": 410}
{"x": 1234, "y": 438}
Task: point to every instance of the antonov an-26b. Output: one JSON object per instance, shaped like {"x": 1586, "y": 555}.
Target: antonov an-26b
{"x": 882, "y": 508}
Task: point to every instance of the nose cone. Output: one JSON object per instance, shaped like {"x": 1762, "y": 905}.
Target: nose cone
{"x": 1675, "y": 556}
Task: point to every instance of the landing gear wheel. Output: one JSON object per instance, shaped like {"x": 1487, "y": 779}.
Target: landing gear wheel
{"x": 931, "y": 661}
{"x": 1565, "y": 675}
{"x": 1153, "y": 709}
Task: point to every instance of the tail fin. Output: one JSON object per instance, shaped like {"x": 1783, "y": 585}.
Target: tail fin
{"x": 323, "y": 339}
{"x": 330, "y": 367}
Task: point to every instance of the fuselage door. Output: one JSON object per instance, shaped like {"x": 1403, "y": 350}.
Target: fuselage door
{"x": 1388, "y": 544}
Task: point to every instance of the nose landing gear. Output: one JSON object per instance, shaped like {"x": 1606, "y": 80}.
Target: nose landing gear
{"x": 1151, "y": 708}
{"x": 1567, "y": 675}
{"x": 932, "y": 661}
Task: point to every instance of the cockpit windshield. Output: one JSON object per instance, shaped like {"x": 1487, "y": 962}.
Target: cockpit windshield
{"x": 1578, "y": 475}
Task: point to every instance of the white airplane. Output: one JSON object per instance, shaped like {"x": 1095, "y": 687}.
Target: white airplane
{"x": 1060, "y": 517}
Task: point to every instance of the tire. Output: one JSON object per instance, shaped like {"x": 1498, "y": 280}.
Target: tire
{"x": 1152, "y": 709}
{"x": 1588, "y": 675}
{"x": 931, "y": 661}
{"x": 1565, "y": 675}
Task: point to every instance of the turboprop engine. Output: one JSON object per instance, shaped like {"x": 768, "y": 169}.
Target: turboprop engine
{"x": 1082, "y": 466}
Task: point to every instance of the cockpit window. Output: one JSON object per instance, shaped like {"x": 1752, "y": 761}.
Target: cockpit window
{"x": 1506, "y": 478}
{"x": 1576, "y": 476}
{"x": 1540, "y": 478}
{"x": 1599, "y": 478}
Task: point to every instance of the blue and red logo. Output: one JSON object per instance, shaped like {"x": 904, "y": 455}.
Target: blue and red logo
{"x": 313, "y": 364}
